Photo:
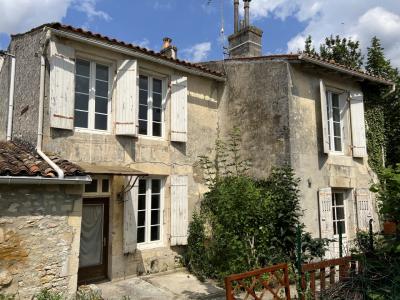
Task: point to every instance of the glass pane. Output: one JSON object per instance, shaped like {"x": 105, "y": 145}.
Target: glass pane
{"x": 334, "y": 214}
{"x": 140, "y": 235}
{"x": 338, "y": 144}
{"x": 82, "y": 67}
{"x": 102, "y": 72}
{"x": 339, "y": 197}
{"x": 91, "y": 187}
{"x": 155, "y": 217}
{"x": 340, "y": 213}
{"x": 100, "y": 122}
{"x": 155, "y": 201}
{"x": 142, "y": 202}
{"x": 105, "y": 186}
{"x": 156, "y": 114}
{"x": 341, "y": 227}
{"x": 81, "y": 101}
{"x": 157, "y": 100}
{"x": 102, "y": 88}
{"x": 156, "y": 186}
{"x": 142, "y": 112}
{"x": 101, "y": 105}
{"x": 143, "y": 85}
{"x": 142, "y": 127}
{"x": 82, "y": 84}
{"x": 155, "y": 233}
{"x": 143, "y": 97}
{"x": 335, "y": 228}
{"x": 81, "y": 119}
{"x": 156, "y": 129}
{"x": 336, "y": 114}
{"x": 335, "y": 100}
{"x": 157, "y": 86}
{"x": 336, "y": 129}
{"x": 142, "y": 186}
{"x": 141, "y": 218}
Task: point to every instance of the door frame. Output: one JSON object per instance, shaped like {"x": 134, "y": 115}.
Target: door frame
{"x": 97, "y": 273}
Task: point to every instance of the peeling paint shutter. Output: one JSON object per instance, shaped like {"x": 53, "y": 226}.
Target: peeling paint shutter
{"x": 130, "y": 219}
{"x": 126, "y": 115}
{"x": 364, "y": 208}
{"x": 62, "y": 84}
{"x": 358, "y": 124}
{"x": 179, "y": 210}
{"x": 324, "y": 116}
{"x": 325, "y": 212}
{"x": 179, "y": 97}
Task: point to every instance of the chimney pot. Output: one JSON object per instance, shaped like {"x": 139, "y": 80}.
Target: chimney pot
{"x": 166, "y": 42}
{"x": 168, "y": 49}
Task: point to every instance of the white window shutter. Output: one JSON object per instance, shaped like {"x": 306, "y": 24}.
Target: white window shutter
{"x": 364, "y": 208}
{"x": 62, "y": 85}
{"x": 325, "y": 212}
{"x": 324, "y": 116}
{"x": 179, "y": 98}
{"x": 179, "y": 210}
{"x": 130, "y": 218}
{"x": 358, "y": 124}
{"x": 126, "y": 115}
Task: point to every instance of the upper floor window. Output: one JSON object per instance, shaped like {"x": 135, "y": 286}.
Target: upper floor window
{"x": 150, "y": 106}
{"x": 334, "y": 122}
{"x": 92, "y": 99}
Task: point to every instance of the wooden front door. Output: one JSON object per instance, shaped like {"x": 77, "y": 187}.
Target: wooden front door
{"x": 93, "y": 252}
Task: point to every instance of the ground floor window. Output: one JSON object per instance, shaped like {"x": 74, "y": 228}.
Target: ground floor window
{"x": 338, "y": 212}
{"x": 149, "y": 212}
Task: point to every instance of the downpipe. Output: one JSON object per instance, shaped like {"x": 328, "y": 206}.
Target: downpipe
{"x": 11, "y": 98}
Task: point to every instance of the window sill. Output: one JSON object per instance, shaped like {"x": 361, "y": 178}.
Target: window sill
{"x": 91, "y": 131}
{"x": 150, "y": 245}
{"x": 153, "y": 138}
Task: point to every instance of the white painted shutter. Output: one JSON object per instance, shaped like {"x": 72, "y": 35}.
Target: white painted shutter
{"x": 358, "y": 124}
{"x": 179, "y": 98}
{"x": 126, "y": 116}
{"x": 179, "y": 210}
{"x": 62, "y": 85}
{"x": 325, "y": 212}
{"x": 130, "y": 218}
{"x": 364, "y": 208}
{"x": 324, "y": 116}
{"x": 1, "y": 62}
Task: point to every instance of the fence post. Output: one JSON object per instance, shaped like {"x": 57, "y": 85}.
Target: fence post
{"x": 340, "y": 241}
{"x": 298, "y": 262}
{"x": 371, "y": 237}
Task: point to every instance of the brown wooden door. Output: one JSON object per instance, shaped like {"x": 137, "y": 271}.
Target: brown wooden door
{"x": 93, "y": 252}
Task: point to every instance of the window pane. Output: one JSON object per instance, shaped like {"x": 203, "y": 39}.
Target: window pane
{"x": 157, "y": 100}
{"x": 102, "y": 89}
{"x": 142, "y": 127}
{"x": 141, "y": 202}
{"x": 156, "y": 114}
{"x": 155, "y": 217}
{"x": 336, "y": 114}
{"x": 157, "y": 86}
{"x": 140, "y": 235}
{"x": 101, "y": 105}
{"x": 335, "y": 100}
{"x": 82, "y": 67}
{"x": 81, "y": 101}
{"x": 102, "y": 72}
{"x": 339, "y": 197}
{"x": 336, "y": 129}
{"x": 156, "y": 186}
{"x": 334, "y": 214}
{"x": 100, "y": 122}
{"x": 91, "y": 187}
{"x": 142, "y": 112}
{"x": 143, "y": 97}
{"x": 155, "y": 233}
{"x": 142, "y": 186}
{"x": 141, "y": 218}
{"x": 341, "y": 227}
{"x": 155, "y": 201}
{"x": 340, "y": 213}
{"x": 335, "y": 228}
{"x": 82, "y": 84}
{"x": 338, "y": 144}
{"x": 156, "y": 129}
{"x": 81, "y": 119}
{"x": 143, "y": 82}
{"x": 105, "y": 186}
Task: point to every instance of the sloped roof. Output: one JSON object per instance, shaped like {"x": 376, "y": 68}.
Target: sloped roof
{"x": 20, "y": 159}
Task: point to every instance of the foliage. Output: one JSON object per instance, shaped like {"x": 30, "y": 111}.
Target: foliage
{"x": 48, "y": 295}
{"x": 308, "y": 47}
{"x": 375, "y": 133}
{"x": 87, "y": 294}
{"x": 244, "y": 223}
{"x": 7, "y": 297}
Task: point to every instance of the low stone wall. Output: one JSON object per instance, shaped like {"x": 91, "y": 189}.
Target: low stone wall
{"x": 39, "y": 239}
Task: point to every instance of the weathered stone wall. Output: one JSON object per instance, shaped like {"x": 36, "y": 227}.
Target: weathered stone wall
{"x": 39, "y": 238}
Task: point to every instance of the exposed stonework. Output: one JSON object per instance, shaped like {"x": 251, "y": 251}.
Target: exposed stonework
{"x": 39, "y": 239}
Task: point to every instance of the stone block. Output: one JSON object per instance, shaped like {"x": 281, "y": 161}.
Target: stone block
{"x": 5, "y": 278}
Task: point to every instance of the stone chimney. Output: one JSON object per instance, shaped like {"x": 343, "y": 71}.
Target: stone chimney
{"x": 246, "y": 40}
{"x": 168, "y": 49}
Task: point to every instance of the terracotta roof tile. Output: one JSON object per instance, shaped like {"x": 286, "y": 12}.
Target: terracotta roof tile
{"x": 20, "y": 159}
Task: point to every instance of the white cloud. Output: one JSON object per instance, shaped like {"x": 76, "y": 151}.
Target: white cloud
{"x": 198, "y": 52}
{"x": 144, "y": 43}
{"x": 21, "y": 15}
{"x": 358, "y": 19}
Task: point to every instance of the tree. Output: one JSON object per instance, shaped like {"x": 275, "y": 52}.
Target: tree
{"x": 377, "y": 64}
{"x": 309, "y": 48}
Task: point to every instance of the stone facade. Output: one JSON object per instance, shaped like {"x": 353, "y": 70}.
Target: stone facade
{"x": 39, "y": 238}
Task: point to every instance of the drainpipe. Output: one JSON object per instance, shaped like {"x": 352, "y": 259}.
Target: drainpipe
{"x": 60, "y": 172}
{"x": 11, "y": 98}
{"x": 236, "y": 16}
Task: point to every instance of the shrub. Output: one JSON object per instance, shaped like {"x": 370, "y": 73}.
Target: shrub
{"x": 48, "y": 295}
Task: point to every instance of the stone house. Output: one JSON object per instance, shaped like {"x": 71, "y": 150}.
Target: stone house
{"x": 136, "y": 122}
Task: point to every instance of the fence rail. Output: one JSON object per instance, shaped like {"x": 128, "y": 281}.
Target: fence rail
{"x": 259, "y": 283}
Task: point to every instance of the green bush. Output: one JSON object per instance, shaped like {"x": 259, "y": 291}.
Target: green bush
{"x": 48, "y": 295}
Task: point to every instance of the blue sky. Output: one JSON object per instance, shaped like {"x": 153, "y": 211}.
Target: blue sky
{"x": 195, "y": 26}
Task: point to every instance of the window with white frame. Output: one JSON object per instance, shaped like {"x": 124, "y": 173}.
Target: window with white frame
{"x": 92, "y": 95}
{"x": 149, "y": 211}
{"x": 338, "y": 213}
{"x": 150, "y": 106}
{"x": 334, "y": 122}
{"x": 100, "y": 185}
